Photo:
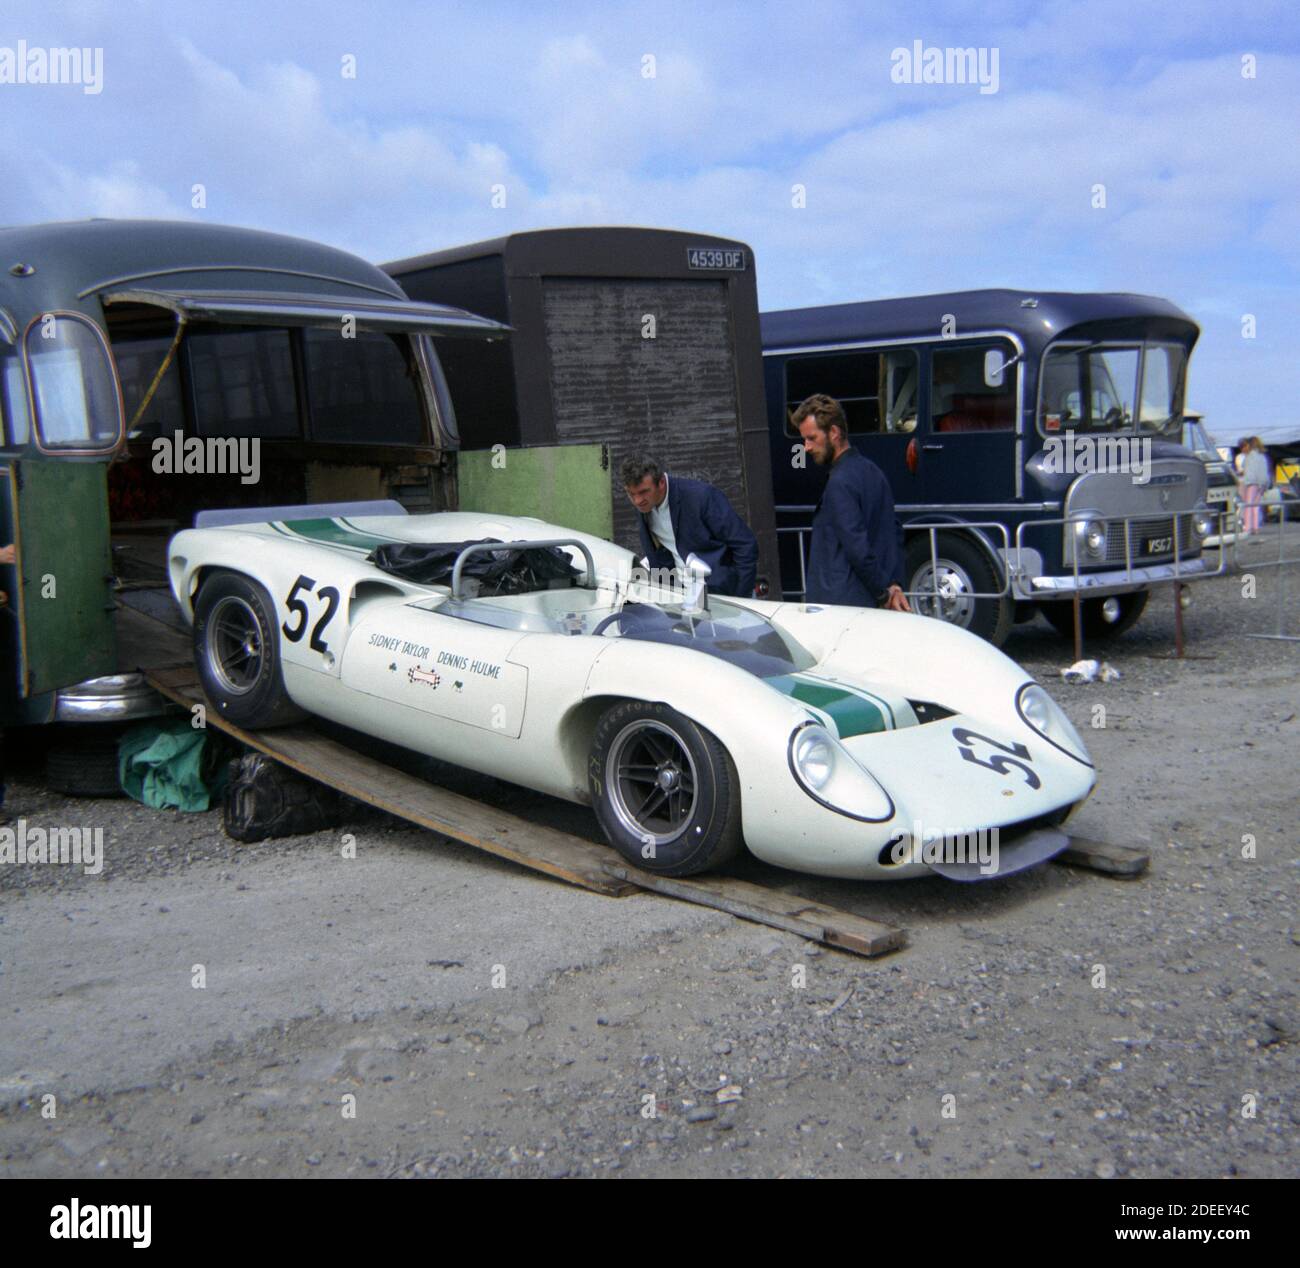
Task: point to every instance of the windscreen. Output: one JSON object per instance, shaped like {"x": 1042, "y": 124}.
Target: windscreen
{"x": 1112, "y": 388}
{"x": 734, "y": 634}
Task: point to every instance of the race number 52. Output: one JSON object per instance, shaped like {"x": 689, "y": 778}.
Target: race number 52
{"x": 1019, "y": 759}
{"x": 298, "y": 609}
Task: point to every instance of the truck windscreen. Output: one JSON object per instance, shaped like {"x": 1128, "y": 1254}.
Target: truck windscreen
{"x": 1095, "y": 388}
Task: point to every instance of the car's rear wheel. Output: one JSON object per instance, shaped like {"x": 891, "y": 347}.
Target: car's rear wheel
{"x": 665, "y": 790}
{"x": 1060, "y": 614}
{"x": 237, "y": 650}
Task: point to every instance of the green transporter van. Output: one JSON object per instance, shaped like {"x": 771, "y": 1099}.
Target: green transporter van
{"x": 152, "y": 369}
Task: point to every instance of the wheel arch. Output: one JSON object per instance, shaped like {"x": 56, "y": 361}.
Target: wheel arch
{"x": 955, "y": 527}
{"x": 577, "y": 726}
{"x": 750, "y": 719}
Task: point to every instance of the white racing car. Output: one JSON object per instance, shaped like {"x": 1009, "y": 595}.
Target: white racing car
{"x": 840, "y": 741}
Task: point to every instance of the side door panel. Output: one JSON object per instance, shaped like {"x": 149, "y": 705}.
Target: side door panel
{"x": 62, "y": 591}
{"x": 449, "y": 668}
{"x": 968, "y": 435}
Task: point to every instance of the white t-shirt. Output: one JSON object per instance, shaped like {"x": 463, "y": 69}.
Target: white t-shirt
{"x": 661, "y": 525}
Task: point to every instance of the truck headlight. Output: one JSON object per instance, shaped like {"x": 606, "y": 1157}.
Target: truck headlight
{"x": 1042, "y": 714}
{"x": 1202, "y": 524}
{"x": 829, "y": 774}
{"x": 1094, "y": 537}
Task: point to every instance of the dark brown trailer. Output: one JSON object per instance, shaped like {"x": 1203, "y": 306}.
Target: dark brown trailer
{"x": 639, "y": 339}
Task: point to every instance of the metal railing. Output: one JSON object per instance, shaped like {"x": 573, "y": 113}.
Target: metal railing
{"x": 1178, "y": 580}
{"x": 1013, "y": 561}
{"x": 1129, "y": 563}
{"x": 1280, "y": 563}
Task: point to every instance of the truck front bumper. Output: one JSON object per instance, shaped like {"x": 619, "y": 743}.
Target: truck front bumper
{"x": 1116, "y": 581}
{"x": 113, "y": 698}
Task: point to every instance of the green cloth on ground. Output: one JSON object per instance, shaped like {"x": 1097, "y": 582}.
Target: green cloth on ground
{"x": 172, "y": 766}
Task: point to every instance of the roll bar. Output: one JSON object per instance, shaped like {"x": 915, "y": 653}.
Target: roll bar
{"x": 480, "y": 548}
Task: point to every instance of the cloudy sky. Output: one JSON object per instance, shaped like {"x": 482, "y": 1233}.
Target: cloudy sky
{"x": 706, "y": 117}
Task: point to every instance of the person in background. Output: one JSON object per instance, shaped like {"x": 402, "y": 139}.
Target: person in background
{"x": 680, "y": 517}
{"x": 856, "y": 555}
{"x": 1255, "y": 479}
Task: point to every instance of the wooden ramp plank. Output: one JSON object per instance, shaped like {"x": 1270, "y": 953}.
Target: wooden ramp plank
{"x": 1099, "y": 856}
{"x": 771, "y": 907}
{"x": 543, "y": 849}
{"x": 365, "y": 779}
{"x": 142, "y": 641}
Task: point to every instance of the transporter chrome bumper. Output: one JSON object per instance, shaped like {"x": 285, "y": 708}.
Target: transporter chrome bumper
{"x": 1117, "y": 581}
{"x": 113, "y": 698}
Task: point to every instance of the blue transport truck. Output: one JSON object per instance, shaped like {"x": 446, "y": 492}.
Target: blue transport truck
{"x": 1032, "y": 442}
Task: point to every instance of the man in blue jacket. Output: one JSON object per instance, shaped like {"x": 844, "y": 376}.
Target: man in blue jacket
{"x": 856, "y": 555}
{"x": 680, "y": 517}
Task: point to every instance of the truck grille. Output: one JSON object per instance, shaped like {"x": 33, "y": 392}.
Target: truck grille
{"x": 1143, "y": 531}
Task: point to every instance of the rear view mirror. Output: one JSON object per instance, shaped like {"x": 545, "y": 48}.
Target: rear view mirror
{"x": 994, "y": 365}
{"x": 698, "y": 572}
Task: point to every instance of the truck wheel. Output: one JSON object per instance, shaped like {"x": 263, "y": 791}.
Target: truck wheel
{"x": 964, "y": 570}
{"x": 237, "y": 650}
{"x": 664, "y": 790}
{"x": 1095, "y": 626}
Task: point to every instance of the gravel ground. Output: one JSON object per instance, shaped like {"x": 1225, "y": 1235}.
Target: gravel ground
{"x": 424, "y": 1010}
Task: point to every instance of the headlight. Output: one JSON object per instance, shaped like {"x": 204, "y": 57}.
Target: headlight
{"x": 828, "y": 773}
{"x": 1044, "y": 715}
{"x": 1202, "y": 524}
{"x": 814, "y": 758}
{"x": 1094, "y": 536}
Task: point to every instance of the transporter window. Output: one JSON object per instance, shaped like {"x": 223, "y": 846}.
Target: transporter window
{"x": 877, "y": 390}
{"x": 960, "y": 397}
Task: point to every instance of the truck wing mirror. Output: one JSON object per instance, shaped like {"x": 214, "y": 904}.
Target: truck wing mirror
{"x": 995, "y": 366}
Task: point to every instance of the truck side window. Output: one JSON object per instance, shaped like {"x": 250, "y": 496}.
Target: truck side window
{"x": 878, "y": 390}
{"x": 360, "y": 390}
{"x": 243, "y": 383}
{"x": 13, "y": 402}
{"x": 137, "y": 362}
{"x": 961, "y": 400}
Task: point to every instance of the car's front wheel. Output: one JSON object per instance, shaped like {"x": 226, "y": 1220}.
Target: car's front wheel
{"x": 237, "y": 650}
{"x": 665, "y": 790}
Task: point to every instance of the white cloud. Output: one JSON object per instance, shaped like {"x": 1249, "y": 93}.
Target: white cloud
{"x": 910, "y": 188}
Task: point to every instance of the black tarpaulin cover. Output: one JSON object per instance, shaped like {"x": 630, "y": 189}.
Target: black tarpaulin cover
{"x": 515, "y": 569}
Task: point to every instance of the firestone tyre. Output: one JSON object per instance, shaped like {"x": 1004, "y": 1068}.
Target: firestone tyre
{"x": 665, "y": 791}
{"x": 237, "y": 650}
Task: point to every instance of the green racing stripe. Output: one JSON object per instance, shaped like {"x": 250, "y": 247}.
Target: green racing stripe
{"x": 333, "y": 533}
{"x": 851, "y": 710}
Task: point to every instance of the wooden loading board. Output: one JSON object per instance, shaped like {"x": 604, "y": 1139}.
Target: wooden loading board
{"x": 559, "y": 854}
